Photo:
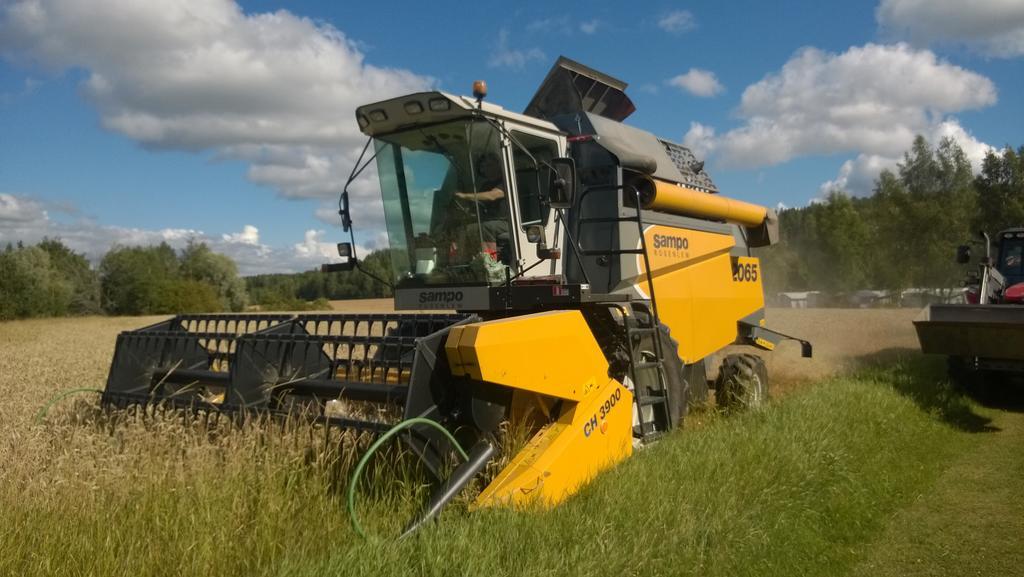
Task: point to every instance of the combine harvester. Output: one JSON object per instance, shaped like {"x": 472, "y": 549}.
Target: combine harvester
{"x": 983, "y": 339}
{"x": 596, "y": 273}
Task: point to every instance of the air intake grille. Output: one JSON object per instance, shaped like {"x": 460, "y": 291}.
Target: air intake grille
{"x": 686, "y": 162}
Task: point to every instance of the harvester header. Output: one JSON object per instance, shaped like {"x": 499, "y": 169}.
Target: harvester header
{"x": 591, "y": 279}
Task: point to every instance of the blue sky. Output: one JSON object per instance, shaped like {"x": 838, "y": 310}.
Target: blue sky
{"x": 127, "y": 122}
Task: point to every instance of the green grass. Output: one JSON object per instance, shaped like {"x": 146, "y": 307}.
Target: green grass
{"x": 808, "y": 486}
{"x": 971, "y": 523}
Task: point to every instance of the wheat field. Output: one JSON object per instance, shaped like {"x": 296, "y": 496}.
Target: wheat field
{"x": 219, "y": 499}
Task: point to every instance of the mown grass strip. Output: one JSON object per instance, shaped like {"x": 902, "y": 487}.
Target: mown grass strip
{"x": 802, "y": 487}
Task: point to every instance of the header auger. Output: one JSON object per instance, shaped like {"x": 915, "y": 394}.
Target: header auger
{"x": 597, "y": 276}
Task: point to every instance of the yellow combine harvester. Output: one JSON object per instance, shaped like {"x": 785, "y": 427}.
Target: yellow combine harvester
{"x": 596, "y": 273}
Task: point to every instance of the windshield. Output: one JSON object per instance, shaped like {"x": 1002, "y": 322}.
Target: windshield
{"x": 445, "y": 204}
{"x": 1011, "y": 258}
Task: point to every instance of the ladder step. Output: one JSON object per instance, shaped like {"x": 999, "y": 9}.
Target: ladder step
{"x": 650, "y": 436}
{"x": 641, "y": 330}
{"x": 649, "y": 400}
{"x": 648, "y": 365}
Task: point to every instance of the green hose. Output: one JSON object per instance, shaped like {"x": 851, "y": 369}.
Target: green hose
{"x": 53, "y": 401}
{"x": 373, "y": 449}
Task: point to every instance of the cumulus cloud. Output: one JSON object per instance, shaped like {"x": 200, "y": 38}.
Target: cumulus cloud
{"x": 677, "y": 21}
{"x": 857, "y": 176}
{"x": 249, "y": 235}
{"x": 870, "y": 100}
{"x": 15, "y": 211}
{"x": 698, "y": 82}
{"x": 700, "y": 139}
{"x": 29, "y": 220}
{"x": 504, "y": 56}
{"x": 275, "y": 90}
{"x": 995, "y": 27}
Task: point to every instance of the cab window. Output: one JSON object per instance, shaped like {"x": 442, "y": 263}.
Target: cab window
{"x": 532, "y": 180}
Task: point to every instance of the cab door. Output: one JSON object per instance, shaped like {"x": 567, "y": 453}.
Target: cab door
{"x": 530, "y": 182}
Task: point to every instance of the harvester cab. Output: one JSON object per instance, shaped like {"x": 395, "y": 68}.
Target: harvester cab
{"x": 596, "y": 277}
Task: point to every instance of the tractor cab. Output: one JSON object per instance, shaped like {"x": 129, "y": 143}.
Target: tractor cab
{"x": 1011, "y": 255}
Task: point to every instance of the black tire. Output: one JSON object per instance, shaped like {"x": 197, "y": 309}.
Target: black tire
{"x": 742, "y": 383}
{"x": 977, "y": 383}
{"x": 678, "y": 386}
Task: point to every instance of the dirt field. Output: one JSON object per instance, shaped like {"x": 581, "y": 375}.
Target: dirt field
{"x": 843, "y": 339}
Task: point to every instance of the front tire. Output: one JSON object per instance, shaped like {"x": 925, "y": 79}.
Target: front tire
{"x": 742, "y": 383}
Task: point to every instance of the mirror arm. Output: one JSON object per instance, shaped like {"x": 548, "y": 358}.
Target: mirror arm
{"x": 357, "y": 169}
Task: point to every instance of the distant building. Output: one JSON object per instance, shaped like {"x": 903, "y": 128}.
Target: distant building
{"x": 799, "y": 300}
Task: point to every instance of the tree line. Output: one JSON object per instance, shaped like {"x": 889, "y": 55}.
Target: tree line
{"x": 50, "y": 279}
{"x": 905, "y": 234}
{"x": 313, "y": 288}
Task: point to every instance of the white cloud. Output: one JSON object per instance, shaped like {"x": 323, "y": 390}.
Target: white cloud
{"x": 504, "y": 56}
{"x": 249, "y": 235}
{"x": 995, "y": 27}
{"x": 275, "y": 90}
{"x": 698, "y": 82}
{"x": 700, "y": 139}
{"x": 15, "y": 210}
{"x": 313, "y": 245}
{"x": 872, "y": 99}
{"x": 857, "y": 176}
{"x": 590, "y": 26}
{"x": 550, "y": 24}
{"x": 677, "y": 21}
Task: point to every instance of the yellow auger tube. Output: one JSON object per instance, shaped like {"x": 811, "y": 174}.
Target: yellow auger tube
{"x": 676, "y": 199}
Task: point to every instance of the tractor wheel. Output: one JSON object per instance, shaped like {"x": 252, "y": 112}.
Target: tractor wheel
{"x": 979, "y": 384}
{"x": 742, "y": 383}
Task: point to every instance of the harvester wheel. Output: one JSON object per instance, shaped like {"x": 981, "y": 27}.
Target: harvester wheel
{"x": 742, "y": 383}
{"x": 678, "y": 386}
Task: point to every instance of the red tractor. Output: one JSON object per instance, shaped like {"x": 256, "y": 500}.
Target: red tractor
{"x": 983, "y": 339}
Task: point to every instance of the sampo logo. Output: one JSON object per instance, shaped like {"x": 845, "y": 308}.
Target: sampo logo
{"x": 440, "y": 297}
{"x": 671, "y": 241}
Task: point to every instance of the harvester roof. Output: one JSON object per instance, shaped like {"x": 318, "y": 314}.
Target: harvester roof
{"x": 573, "y": 99}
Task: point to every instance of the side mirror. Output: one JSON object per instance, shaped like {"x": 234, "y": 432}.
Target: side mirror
{"x": 346, "y": 217}
{"x": 535, "y": 234}
{"x": 963, "y": 254}
{"x": 562, "y": 188}
{"x": 345, "y": 252}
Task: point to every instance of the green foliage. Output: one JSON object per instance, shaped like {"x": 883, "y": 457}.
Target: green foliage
{"x": 1000, "y": 189}
{"x": 199, "y": 263}
{"x": 30, "y": 286}
{"x": 132, "y": 278}
{"x": 75, "y": 269}
{"x": 284, "y": 291}
{"x": 156, "y": 280}
{"x": 906, "y": 233}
